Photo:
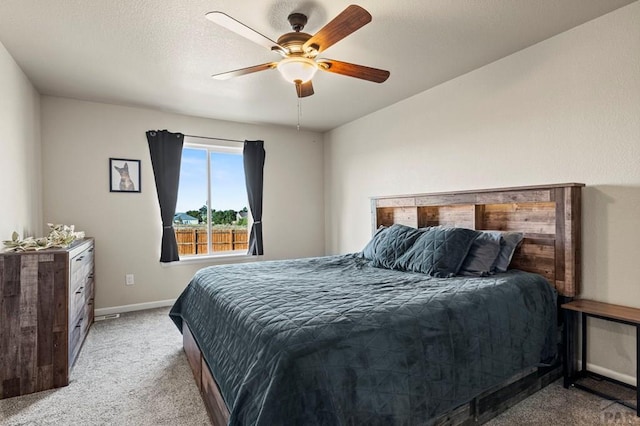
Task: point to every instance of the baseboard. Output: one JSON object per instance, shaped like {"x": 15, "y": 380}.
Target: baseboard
{"x": 625, "y": 378}
{"x": 133, "y": 307}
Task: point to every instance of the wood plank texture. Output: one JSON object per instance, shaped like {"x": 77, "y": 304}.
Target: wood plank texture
{"x": 623, "y": 313}
{"x": 548, "y": 215}
{"x": 211, "y": 396}
{"x": 10, "y": 329}
{"x": 573, "y": 240}
{"x": 479, "y": 216}
{"x": 216, "y": 407}
{"x": 46, "y": 312}
{"x": 456, "y": 215}
{"x": 29, "y": 324}
{"x": 408, "y": 216}
{"x": 537, "y": 257}
{"x": 396, "y": 202}
{"x": 530, "y": 218}
{"x": 493, "y": 190}
{"x": 194, "y": 356}
{"x": 34, "y": 320}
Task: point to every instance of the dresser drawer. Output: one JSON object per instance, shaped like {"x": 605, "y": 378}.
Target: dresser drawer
{"x": 80, "y": 278}
{"x": 90, "y": 295}
{"x": 88, "y": 317}
{"x": 81, "y": 265}
{"x": 75, "y": 339}
{"x": 78, "y": 331}
{"x": 77, "y": 301}
{"x": 81, "y": 297}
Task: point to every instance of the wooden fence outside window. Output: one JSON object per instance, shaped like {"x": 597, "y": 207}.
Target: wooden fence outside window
{"x": 192, "y": 241}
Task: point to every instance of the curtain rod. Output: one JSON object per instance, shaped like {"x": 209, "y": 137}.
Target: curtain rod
{"x": 213, "y": 139}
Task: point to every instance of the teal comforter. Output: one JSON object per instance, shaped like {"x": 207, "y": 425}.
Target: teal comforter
{"x": 335, "y": 341}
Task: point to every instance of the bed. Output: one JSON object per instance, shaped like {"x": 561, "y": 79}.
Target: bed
{"x": 336, "y": 340}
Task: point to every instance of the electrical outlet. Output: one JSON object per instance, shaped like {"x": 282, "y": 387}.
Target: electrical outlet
{"x": 128, "y": 279}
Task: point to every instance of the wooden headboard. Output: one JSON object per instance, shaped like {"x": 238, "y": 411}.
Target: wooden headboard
{"x": 548, "y": 215}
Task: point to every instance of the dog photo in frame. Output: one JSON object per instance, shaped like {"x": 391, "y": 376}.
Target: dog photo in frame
{"x": 124, "y": 175}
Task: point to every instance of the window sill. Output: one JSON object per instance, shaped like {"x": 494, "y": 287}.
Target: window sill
{"x": 216, "y": 259}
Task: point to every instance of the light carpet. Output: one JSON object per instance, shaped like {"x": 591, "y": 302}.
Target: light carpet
{"x": 132, "y": 371}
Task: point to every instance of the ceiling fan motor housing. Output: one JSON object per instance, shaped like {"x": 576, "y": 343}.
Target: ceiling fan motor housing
{"x": 297, "y": 21}
{"x": 293, "y": 42}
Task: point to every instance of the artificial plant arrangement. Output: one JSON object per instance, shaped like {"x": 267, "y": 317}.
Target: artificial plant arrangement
{"x": 60, "y": 236}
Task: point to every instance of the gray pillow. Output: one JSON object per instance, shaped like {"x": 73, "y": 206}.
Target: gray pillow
{"x": 482, "y": 254}
{"x": 388, "y": 244}
{"x": 369, "y": 250}
{"x": 438, "y": 251}
{"x": 510, "y": 242}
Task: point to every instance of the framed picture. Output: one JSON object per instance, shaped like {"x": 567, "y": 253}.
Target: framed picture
{"x": 124, "y": 175}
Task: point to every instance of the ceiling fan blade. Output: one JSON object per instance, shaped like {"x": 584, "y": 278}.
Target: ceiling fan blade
{"x": 352, "y": 70}
{"x": 304, "y": 89}
{"x": 348, "y": 21}
{"x": 239, "y": 28}
{"x": 244, "y": 71}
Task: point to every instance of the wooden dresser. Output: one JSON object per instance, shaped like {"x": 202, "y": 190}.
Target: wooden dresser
{"x": 46, "y": 309}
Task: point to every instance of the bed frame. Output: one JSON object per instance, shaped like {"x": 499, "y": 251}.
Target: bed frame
{"x": 549, "y": 216}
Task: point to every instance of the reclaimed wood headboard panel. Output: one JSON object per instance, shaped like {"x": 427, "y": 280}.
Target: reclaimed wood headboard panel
{"x": 548, "y": 215}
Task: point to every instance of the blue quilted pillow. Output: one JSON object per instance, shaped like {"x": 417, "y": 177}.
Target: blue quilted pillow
{"x": 388, "y": 244}
{"x": 368, "y": 252}
{"x": 438, "y": 251}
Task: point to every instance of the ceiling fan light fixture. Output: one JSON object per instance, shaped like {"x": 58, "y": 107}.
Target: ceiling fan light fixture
{"x": 297, "y": 69}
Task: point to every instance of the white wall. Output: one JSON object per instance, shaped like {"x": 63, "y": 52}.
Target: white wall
{"x": 78, "y": 140}
{"x": 564, "y": 110}
{"x": 21, "y": 182}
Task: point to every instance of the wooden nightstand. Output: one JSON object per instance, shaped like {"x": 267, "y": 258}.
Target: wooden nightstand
{"x": 603, "y": 311}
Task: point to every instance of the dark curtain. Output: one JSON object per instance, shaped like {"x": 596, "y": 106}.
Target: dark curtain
{"x": 254, "y": 155}
{"x": 166, "y": 153}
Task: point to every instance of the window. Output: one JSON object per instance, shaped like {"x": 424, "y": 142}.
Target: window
{"x": 211, "y": 214}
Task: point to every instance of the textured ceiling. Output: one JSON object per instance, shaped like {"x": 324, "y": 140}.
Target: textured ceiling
{"x": 161, "y": 53}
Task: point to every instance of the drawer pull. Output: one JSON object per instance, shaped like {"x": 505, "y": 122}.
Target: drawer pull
{"x": 79, "y": 259}
{"x": 80, "y": 290}
{"x": 79, "y": 323}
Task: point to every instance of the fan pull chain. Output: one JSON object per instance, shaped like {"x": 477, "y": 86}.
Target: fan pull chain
{"x": 299, "y": 112}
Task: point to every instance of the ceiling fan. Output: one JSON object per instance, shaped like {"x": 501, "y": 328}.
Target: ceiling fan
{"x": 300, "y": 50}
